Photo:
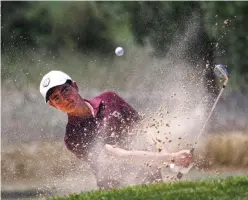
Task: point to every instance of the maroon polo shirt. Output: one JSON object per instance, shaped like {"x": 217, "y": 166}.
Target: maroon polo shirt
{"x": 113, "y": 118}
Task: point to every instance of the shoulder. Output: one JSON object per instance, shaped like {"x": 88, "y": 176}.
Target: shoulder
{"x": 109, "y": 95}
{"x": 115, "y": 100}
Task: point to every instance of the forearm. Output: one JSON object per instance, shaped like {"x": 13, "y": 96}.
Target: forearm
{"x": 156, "y": 158}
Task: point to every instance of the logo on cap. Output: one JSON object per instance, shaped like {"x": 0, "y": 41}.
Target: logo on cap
{"x": 46, "y": 82}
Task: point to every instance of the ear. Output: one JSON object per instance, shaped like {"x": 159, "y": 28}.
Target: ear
{"x": 74, "y": 84}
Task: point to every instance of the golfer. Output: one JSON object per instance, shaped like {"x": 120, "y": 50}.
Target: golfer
{"x": 106, "y": 118}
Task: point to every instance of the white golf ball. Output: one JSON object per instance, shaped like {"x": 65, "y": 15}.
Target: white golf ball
{"x": 119, "y": 51}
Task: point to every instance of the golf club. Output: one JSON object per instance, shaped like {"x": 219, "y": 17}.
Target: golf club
{"x": 221, "y": 72}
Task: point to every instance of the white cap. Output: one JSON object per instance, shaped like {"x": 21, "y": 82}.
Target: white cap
{"x": 52, "y": 79}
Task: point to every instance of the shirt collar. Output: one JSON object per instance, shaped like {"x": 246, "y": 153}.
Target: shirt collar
{"x": 95, "y": 103}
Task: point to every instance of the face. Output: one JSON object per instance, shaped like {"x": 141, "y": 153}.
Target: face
{"x": 65, "y": 97}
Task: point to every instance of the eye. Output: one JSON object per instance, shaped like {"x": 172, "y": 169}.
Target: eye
{"x": 64, "y": 89}
{"x": 56, "y": 99}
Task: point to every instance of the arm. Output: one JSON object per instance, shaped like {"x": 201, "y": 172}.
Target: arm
{"x": 183, "y": 158}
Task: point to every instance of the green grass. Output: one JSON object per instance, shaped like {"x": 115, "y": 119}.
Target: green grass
{"x": 222, "y": 189}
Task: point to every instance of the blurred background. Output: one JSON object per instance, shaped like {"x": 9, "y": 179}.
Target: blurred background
{"x": 170, "y": 51}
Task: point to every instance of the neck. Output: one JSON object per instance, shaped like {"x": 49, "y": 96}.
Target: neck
{"x": 82, "y": 109}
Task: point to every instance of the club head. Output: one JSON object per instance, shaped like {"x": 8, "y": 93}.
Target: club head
{"x": 221, "y": 71}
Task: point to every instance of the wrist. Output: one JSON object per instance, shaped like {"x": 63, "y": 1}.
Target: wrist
{"x": 173, "y": 157}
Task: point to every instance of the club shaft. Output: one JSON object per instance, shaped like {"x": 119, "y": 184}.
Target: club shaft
{"x": 210, "y": 114}
{"x": 180, "y": 174}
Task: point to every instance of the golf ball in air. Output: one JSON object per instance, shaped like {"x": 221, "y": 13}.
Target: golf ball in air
{"x": 119, "y": 51}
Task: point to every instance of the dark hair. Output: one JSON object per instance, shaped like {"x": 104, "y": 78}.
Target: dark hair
{"x": 50, "y": 91}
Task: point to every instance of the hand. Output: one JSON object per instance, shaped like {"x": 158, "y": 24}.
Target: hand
{"x": 183, "y": 158}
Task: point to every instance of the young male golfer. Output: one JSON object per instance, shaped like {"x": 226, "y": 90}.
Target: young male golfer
{"x": 106, "y": 118}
